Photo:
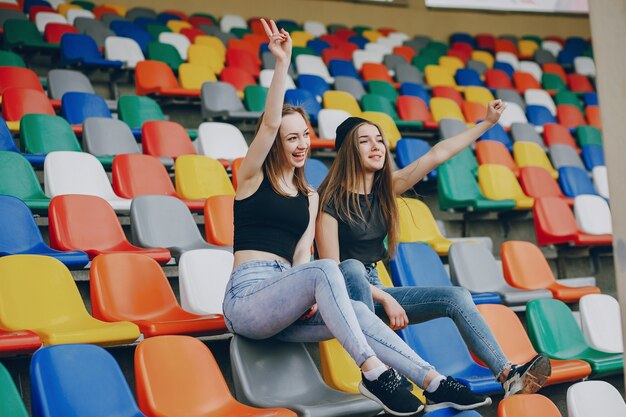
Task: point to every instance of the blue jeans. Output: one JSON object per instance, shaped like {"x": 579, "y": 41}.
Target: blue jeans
{"x": 426, "y": 303}
{"x": 266, "y": 298}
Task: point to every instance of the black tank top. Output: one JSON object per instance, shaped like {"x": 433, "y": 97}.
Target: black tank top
{"x": 269, "y": 222}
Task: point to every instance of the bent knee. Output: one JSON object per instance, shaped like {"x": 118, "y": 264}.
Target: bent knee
{"x": 461, "y": 296}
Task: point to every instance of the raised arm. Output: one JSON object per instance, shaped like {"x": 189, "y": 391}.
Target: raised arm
{"x": 280, "y": 47}
{"x": 410, "y": 175}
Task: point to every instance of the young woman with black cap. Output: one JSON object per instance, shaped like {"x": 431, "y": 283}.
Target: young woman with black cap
{"x": 273, "y": 284}
{"x": 358, "y": 200}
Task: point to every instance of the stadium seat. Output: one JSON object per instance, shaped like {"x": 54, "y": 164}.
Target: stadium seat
{"x": 352, "y": 86}
{"x": 384, "y": 89}
{"x": 221, "y": 141}
{"x": 445, "y": 108}
{"x": 135, "y": 12}
{"x": 310, "y": 396}
{"x": 127, "y": 50}
{"x": 585, "y": 65}
{"x": 415, "y": 90}
{"x": 387, "y": 125}
{"x": 513, "y": 114}
{"x": 254, "y": 97}
{"x": 428, "y": 272}
{"x": 117, "y": 285}
{"x": 165, "y": 53}
{"x": 513, "y": 339}
{"x": 76, "y": 107}
{"x": 601, "y": 180}
{"x": 165, "y": 221}
{"x": 199, "y": 177}
{"x": 17, "y": 102}
{"x": 18, "y": 179}
{"x": 498, "y": 182}
{"x": 11, "y": 59}
{"x": 220, "y": 100}
{"x": 43, "y": 133}
{"x": 243, "y": 59}
{"x": 192, "y": 76}
{"x": 414, "y": 109}
{"x": 553, "y": 330}
{"x": 202, "y": 293}
{"x": 567, "y": 97}
{"x": 498, "y": 134}
{"x": 472, "y": 266}
{"x": 530, "y": 154}
{"x": 165, "y": 139}
{"x": 525, "y": 81}
{"x": 525, "y": 267}
{"x": 136, "y": 110}
{"x": 188, "y": 384}
{"x": 537, "y": 182}
{"x": 495, "y": 78}
{"x": 532, "y": 68}
{"x": 601, "y": 322}
{"x": 38, "y": 292}
{"x": 407, "y": 73}
{"x": 308, "y": 64}
{"x": 23, "y": 34}
{"x": 328, "y": 121}
{"x": 473, "y": 112}
{"x": 22, "y": 236}
{"x": 304, "y": 99}
{"x": 417, "y": 224}
{"x": 315, "y": 172}
{"x": 510, "y": 95}
{"x": 79, "y": 379}
{"x": 155, "y": 77}
{"x": 592, "y": 114}
{"x": 556, "y": 134}
{"x": 575, "y": 181}
{"x": 539, "y": 97}
{"x": 528, "y": 404}
{"x": 569, "y": 116}
{"x": 525, "y": 132}
{"x": 409, "y": 150}
{"x": 493, "y": 152}
{"x": 218, "y": 220}
{"x": 555, "y": 224}
{"x": 55, "y": 31}
{"x": 207, "y": 56}
{"x": 11, "y": 403}
{"x": 593, "y": 215}
{"x": 590, "y": 398}
{"x": 437, "y": 75}
{"x": 340, "y": 100}
{"x": 551, "y": 82}
{"x": 578, "y": 83}
{"x": 476, "y": 94}
{"x": 467, "y": 77}
{"x": 105, "y": 137}
{"x": 265, "y": 79}
{"x": 314, "y": 84}
{"x": 377, "y": 103}
{"x": 539, "y": 116}
{"x": 82, "y": 50}
{"x": 135, "y": 175}
{"x": 564, "y": 156}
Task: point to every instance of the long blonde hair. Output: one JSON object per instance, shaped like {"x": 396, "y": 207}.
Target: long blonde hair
{"x": 347, "y": 175}
{"x": 275, "y": 161}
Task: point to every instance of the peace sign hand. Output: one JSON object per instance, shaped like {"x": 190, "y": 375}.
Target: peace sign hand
{"x": 280, "y": 41}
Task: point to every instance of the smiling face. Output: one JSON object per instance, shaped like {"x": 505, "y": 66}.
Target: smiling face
{"x": 372, "y": 150}
{"x": 294, "y": 135}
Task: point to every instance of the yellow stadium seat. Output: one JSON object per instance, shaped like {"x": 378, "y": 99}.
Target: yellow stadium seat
{"x": 199, "y": 177}
{"x": 437, "y": 75}
{"x": 417, "y": 224}
{"x": 206, "y": 56}
{"x": 383, "y": 275}
{"x": 64, "y": 7}
{"x": 529, "y": 154}
{"x": 497, "y": 182}
{"x": 371, "y": 35}
{"x": 484, "y": 57}
{"x": 340, "y": 100}
{"x": 178, "y": 25}
{"x": 300, "y": 38}
{"x": 445, "y": 108}
{"x": 119, "y": 8}
{"x": 213, "y": 42}
{"x": 340, "y": 372}
{"x": 39, "y": 293}
{"x": 526, "y": 48}
{"x": 481, "y": 95}
{"x": 192, "y": 76}
{"x": 386, "y": 123}
{"x": 452, "y": 63}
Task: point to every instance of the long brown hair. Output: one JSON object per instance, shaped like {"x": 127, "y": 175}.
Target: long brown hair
{"x": 275, "y": 161}
{"x": 344, "y": 180}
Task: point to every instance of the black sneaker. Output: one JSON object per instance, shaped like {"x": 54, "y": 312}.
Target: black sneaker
{"x": 527, "y": 378}
{"x": 387, "y": 391}
{"x": 451, "y": 393}
{"x": 405, "y": 383}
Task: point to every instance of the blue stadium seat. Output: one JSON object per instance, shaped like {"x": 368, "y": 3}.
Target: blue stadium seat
{"x": 130, "y": 30}
{"x": 575, "y": 181}
{"x": 591, "y": 99}
{"x": 498, "y": 134}
{"x": 566, "y": 57}
{"x": 76, "y": 107}
{"x": 317, "y": 45}
{"x": 315, "y": 172}
{"x": 593, "y": 155}
{"x": 20, "y": 235}
{"x": 415, "y": 90}
{"x": 504, "y": 66}
{"x": 539, "y": 115}
{"x": 467, "y": 76}
{"x": 439, "y": 343}
{"x": 163, "y": 18}
{"x": 304, "y": 99}
{"x": 82, "y": 50}
{"x": 143, "y": 22}
{"x": 313, "y": 83}
{"x": 417, "y": 264}
{"x": 30, "y": 3}
{"x": 79, "y": 380}
{"x": 576, "y": 44}
{"x": 360, "y": 41}
{"x": 462, "y": 37}
{"x": 341, "y": 68}
{"x": 409, "y": 149}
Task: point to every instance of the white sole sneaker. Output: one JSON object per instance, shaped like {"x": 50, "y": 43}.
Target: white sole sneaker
{"x": 447, "y": 404}
{"x": 531, "y": 380}
{"x": 366, "y": 393}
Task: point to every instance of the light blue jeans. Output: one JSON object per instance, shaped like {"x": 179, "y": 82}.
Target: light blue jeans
{"x": 266, "y": 298}
{"x": 427, "y": 303}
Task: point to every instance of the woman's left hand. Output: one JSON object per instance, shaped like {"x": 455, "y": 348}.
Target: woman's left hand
{"x": 494, "y": 111}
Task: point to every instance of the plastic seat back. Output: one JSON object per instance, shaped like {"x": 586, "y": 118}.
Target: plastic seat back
{"x": 527, "y": 405}
{"x": 218, "y": 219}
{"x": 525, "y": 266}
{"x": 80, "y": 379}
{"x": 437, "y": 75}
{"x": 539, "y": 115}
{"x": 525, "y": 132}
{"x": 136, "y": 174}
{"x": 164, "y": 53}
{"x": 594, "y": 398}
{"x": 154, "y": 77}
{"x": 136, "y": 110}
{"x": 219, "y": 98}
{"x": 537, "y": 182}
{"x": 472, "y": 266}
{"x": 61, "y": 81}
{"x": 601, "y": 181}
{"x": 162, "y": 138}
{"x": 221, "y": 141}
{"x": 601, "y": 322}
{"x": 478, "y": 94}
{"x": 575, "y": 181}
{"x": 514, "y": 114}
{"x": 315, "y": 172}
{"x": 492, "y": 152}
{"x": 11, "y": 403}
{"x": 77, "y": 106}
{"x": 17, "y": 102}
{"x": 497, "y": 182}
{"x": 539, "y": 97}
{"x": 340, "y": 100}
{"x": 202, "y": 293}
{"x": 417, "y": 224}
{"x": 445, "y": 108}
{"x": 569, "y": 116}
{"x": 43, "y": 133}
{"x": 123, "y": 49}
{"x": 17, "y": 177}
{"x": 338, "y": 369}
{"x": 106, "y": 136}
{"x": 328, "y": 120}
{"x": 192, "y": 76}
{"x": 199, "y": 177}
{"x": 20, "y": 233}
{"x": 564, "y": 156}
{"x": 352, "y": 86}
{"x": 417, "y": 264}
{"x": 593, "y": 215}
{"x": 304, "y": 99}
{"x": 389, "y": 128}
{"x": 554, "y": 221}
{"x": 530, "y": 154}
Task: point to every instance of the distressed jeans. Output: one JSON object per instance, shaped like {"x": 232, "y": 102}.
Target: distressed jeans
{"x": 266, "y": 298}
{"x": 426, "y": 303}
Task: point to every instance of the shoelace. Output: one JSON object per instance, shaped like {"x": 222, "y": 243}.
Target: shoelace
{"x": 455, "y": 385}
{"x": 392, "y": 382}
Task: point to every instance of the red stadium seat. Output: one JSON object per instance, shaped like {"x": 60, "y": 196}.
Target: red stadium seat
{"x": 448, "y": 92}
{"x": 238, "y": 78}
{"x": 243, "y": 59}
{"x": 569, "y": 116}
{"x": 579, "y": 83}
{"x": 156, "y": 77}
{"x": 54, "y": 31}
{"x": 592, "y": 113}
{"x": 537, "y": 182}
{"x": 165, "y": 139}
{"x": 218, "y": 220}
{"x": 492, "y": 152}
{"x": 412, "y": 108}
{"x": 525, "y": 81}
{"x": 495, "y": 78}
{"x": 18, "y": 342}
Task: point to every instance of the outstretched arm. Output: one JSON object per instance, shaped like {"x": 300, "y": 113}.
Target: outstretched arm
{"x": 410, "y": 175}
{"x": 280, "y": 47}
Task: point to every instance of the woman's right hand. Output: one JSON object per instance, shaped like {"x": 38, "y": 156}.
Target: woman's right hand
{"x": 397, "y": 316}
{"x": 279, "y": 41}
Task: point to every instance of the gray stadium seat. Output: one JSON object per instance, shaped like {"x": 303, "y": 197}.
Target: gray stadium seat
{"x": 417, "y": 43}
{"x": 351, "y": 86}
{"x": 407, "y": 73}
{"x": 106, "y": 138}
{"x": 215, "y": 31}
{"x": 135, "y": 12}
{"x": 451, "y": 127}
{"x": 295, "y": 383}
{"x": 94, "y": 28}
{"x": 524, "y": 132}
{"x": 167, "y": 220}
{"x": 510, "y": 95}
{"x": 543, "y": 56}
{"x": 478, "y": 66}
{"x": 61, "y": 81}
{"x": 220, "y": 100}
{"x": 268, "y": 61}
{"x": 473, "y": 266}
{"x": 11, "y": 15}
{"x": 393, "y": 61}
{"x": 565, "y": 156}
